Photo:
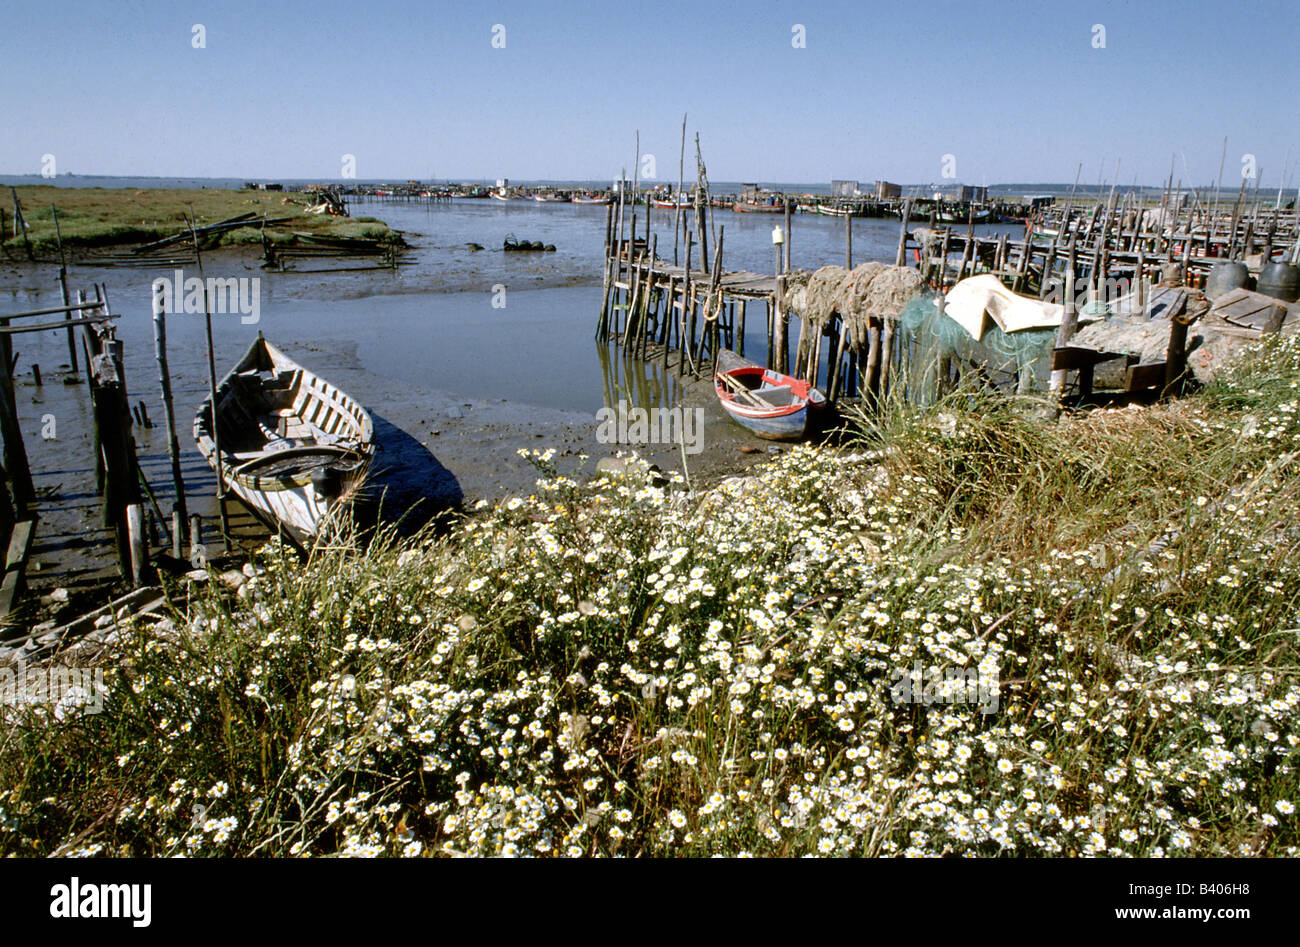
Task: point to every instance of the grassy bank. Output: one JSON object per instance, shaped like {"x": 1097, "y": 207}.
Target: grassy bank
{"x": 101, "y": 217}
{"x": 617, "y": 669}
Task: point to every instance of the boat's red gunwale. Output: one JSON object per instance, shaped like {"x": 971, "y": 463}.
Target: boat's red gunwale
{"x": 798, "y": 387}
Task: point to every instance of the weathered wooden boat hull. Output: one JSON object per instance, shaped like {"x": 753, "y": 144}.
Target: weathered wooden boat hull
{"x": 293, "y": 448}
{"x": 740, "y": 207}
{"x": 789, "y": 421}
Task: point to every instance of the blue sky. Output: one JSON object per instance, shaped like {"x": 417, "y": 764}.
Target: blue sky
{"x": 1015, "y": 91}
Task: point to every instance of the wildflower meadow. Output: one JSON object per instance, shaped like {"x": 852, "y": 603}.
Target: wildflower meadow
{"x": 616, "y": 668}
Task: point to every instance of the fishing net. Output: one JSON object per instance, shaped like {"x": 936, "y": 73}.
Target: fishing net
{"x": 869, "y": 292}
{"x": 925, "y": 337}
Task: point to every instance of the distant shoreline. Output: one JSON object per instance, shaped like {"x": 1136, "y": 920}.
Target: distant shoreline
{"x": 113, "y": 181}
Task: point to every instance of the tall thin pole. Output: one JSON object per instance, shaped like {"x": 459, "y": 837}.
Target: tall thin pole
{"x": 677, "y": 197}
{"x": 636, "y": 168}
{"x": 212, "y": 393}
{"x": 1281, "y": 181}
{"x": 1222, "y": 158}
{"x": 1070, "y": 203}
{"x": 165, "y": 382}
{"x": 63, "y": 287}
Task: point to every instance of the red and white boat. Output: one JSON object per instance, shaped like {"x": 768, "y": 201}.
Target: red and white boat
{"x": 772, "y": 405}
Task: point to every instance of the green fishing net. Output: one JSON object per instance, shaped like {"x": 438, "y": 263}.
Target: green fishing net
{"x": 924, "y": 338}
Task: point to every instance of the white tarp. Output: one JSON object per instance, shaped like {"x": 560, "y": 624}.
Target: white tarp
{"x": 975, "y": 302}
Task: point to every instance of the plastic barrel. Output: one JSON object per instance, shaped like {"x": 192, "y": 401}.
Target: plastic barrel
{"x": 1225, "y": 277}
{"x": 1280, "y": 280}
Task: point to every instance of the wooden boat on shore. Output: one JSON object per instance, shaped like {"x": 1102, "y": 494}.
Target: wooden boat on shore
{"x": 774, "y": 406}
{"x": 293, "y": 448}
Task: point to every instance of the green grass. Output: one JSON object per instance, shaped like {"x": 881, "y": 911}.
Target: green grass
{"x": 90, "y": 218}
{"x": 617, "y": 669}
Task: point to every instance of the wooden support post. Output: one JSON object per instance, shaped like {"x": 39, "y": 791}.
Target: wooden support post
{"x": 20, "y": 224}
{"x": 63, "y": 289}
{"x": 121, "y": 485}
{"x": 886, "y": 359}
{"x": 15, "y": 452}
{"x": 137, "y": 544}
{"x": 874, "y": 350}
{"x": 712, "y": 307}
{"x": 943, "y": 259}
{"x": 785, "y": 250}
{"x": 198, "y": 552}
{"x": 836, "y": 355}
{"x": 165, "y": 384}
{"x": 900, "y": 258}
{"x": 1176, "y": 353}
{"x": 848, "y": 241}
{"x": 212, "y": 396}
{"x": 740, "y": 330}
{"x": 633, "y": 297}
{"x": 1069, "y": 320}
{"x": 684, "y": 343}
{"x": 780, "y": 357}
{"x": 602, "y": 321}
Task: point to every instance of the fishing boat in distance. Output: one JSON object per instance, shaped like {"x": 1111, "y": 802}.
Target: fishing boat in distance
{"x": 970, "y": 217}
{"x": 670, "y": 204}
{"x": 548, "y": 197}
{"x": 293, "y": 447}
{"x": 746, "y": 207}
{"x": 590, "y": 198}
{"x": 772, "y": 405}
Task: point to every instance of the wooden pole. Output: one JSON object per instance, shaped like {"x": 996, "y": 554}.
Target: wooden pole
{"x": 1069, "y": 320}
{"x": 136, "y": 542}
{"x": 900, "y": 258}
{"x": 15, "y": 452}
{"x": 740, "y": 331}
{"x": 701, "y": 225}
{"x": 848, "y": 241}
{"x": 20, "y": 223}
{"x": 779, "y": 329}
{"x": 712, "y": 307}
{"x": 786, "y": 248}
{"x": 602, "y": 321}
{"x": 1217, "y": 186}
{"x": 63, "y": 288}
{"x": 677, "y": 197}
{"x": 683, "y": 342}
{"x": 165, "y": 383}
{"x": 212, "y": 394}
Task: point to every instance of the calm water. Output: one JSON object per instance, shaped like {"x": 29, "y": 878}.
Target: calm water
{"x": 432, "y": 324}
